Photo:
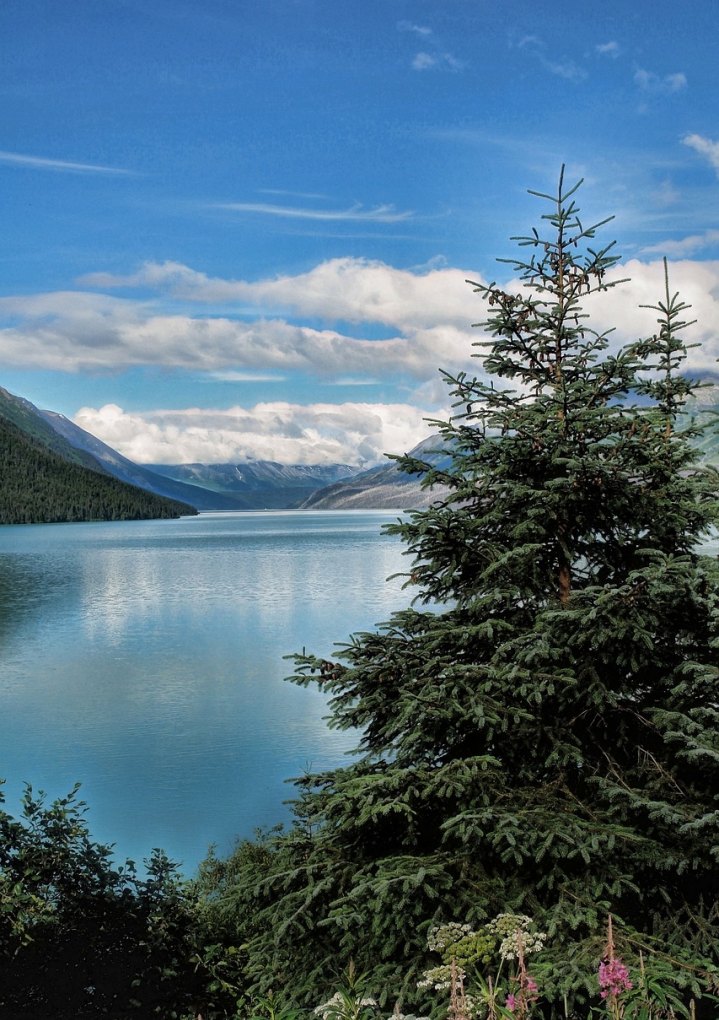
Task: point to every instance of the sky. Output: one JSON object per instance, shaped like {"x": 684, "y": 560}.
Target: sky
{"x": 239, "y": 229}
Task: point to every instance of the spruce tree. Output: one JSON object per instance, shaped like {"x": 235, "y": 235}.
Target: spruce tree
{"x": 543, "y": 738}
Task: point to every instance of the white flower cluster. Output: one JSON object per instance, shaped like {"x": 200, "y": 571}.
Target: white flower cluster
{"x": 440, "y": 978}
{"x": 516, "y": 938}
{"x": 446, "y": 935}
{"x": 337, "y": 1007}
{"x": 471, "y": 1006}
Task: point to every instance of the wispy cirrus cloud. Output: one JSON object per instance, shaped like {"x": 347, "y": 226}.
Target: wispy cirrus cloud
{"x": 60, "y": 165}
{"x": 705, "y": 147}
{"x": 286, "y": 193}
{"x": 355, "y": 213}
{"x": 410, "y": 26}
{"x": 608, "y": 49}
{"x": 659, "y": 85}
{"x": 560, "y": 68}
{"x": 437, "y": 61}
{"x": 434, "y": 57}
{"x": 683, "y": 247}
{"x": 244, "y": 377}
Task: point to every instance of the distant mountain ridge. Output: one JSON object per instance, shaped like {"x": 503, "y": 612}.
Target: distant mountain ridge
{"x": 255, "y": 485}
{"x": 384, "y": 487}
{"x": 137, "y": 474}
{"x": 261, "y": 484}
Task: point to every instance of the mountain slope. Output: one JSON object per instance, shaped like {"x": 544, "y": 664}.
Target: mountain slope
{"x": 138, "y": 474}
{"x": 37, "y": 485}
{"x": 384, "y": 487}
{"x": 30, "y": 420}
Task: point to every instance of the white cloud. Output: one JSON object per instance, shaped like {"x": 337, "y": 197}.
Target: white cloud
{"x": 408, "y": 26}
{"x": 684, "y": 246}
{"x": 350, "y": 433}
{"x": 347, "y": 289}
{"x": 59, "y": 165}
{"x": 76, "y": 332}
{"x": 380, "y": 214}
{"x": 245, "y": 377}
{"x": 427, "y": 314}
{"x": 653, "y": 84}
{"x": 608, "y": 49}
{"x": 705, "y": 147}
{"x": 292, "y": 194}
{"x": 697, "y": 284}
{"x": 562, "y": 68}
{"x": 437, "y": 61}
{"x": 424, "y": 61}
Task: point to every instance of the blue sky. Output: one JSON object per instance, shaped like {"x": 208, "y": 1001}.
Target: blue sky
{"x": 241, "y": 229}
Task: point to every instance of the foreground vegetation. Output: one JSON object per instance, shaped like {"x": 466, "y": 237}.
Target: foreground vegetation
{"x": 535, "y": 796}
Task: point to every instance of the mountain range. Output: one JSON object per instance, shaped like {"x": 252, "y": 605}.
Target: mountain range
{"x": 251, "y": 485}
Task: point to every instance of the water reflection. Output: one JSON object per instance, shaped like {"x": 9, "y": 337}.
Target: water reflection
{"x": 145, "y": 659}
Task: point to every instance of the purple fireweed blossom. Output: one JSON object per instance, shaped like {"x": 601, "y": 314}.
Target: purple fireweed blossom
{"x": 613, "y": 978}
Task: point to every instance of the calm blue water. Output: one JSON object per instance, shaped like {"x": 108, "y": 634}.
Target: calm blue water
{"x": 144, "y": 659}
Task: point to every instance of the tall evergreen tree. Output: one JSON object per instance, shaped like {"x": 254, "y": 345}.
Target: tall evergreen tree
{"x": 544, "y": 738}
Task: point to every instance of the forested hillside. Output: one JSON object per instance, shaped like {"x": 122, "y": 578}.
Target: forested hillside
{"x": 38, "y": 486}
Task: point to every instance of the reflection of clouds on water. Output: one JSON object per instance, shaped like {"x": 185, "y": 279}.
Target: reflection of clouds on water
{"x": 154, "y": 668}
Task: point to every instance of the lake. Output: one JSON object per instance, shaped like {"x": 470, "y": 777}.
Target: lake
{"x": 145, "y": 660}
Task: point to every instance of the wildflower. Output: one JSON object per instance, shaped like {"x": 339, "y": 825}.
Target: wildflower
{"x": 341, "y": 1006}
{"x": 511, "y": 1002}
{"x": 440, "y": 978}
{"x": 523, "y": 942}
{"x": 445, "y": 935}
{"x": 516, "y": 938}
{"x": 613, "y": 978}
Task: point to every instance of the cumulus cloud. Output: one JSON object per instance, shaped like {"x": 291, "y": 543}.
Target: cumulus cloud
{"x": 347, "y": 289}
{"x": 705, "y": 147}
{"x": 427, "y": 314}
{"x": 697, "y": 284}
{"x": 70, "y": 342}
{"x": 350, "y": 433}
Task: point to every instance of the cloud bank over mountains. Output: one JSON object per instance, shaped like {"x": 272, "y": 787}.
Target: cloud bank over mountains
{"x": 345, "y": 321}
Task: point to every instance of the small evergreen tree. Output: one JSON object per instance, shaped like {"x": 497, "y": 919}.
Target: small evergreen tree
{"x": 543, "y": 739}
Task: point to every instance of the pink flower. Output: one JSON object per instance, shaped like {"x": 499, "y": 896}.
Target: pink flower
{"x": 613, "y": 978}
{"x": 511, "y": 1002}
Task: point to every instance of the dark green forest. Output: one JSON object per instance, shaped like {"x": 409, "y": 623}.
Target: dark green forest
{"x": 37, "y": 485}
{"x": 530, "y": 825}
